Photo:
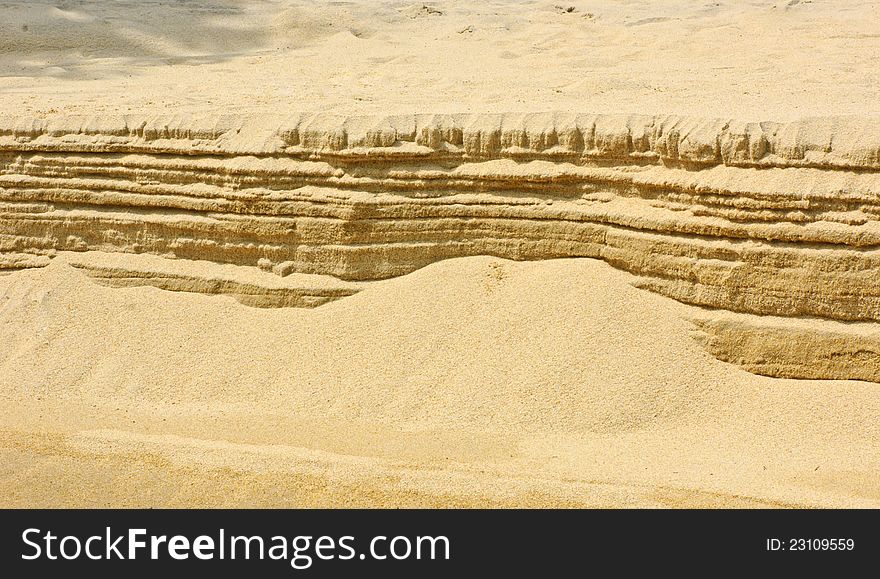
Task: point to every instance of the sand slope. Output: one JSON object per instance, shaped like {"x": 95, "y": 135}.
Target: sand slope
{"x": 474, "y": 381}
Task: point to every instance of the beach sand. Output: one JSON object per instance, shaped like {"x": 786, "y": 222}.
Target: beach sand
{"x": 560, "y": 327}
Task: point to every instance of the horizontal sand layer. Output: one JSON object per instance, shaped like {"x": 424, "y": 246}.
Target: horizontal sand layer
{"x": 834, "y": 142}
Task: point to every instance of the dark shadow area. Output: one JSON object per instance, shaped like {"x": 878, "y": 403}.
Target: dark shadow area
{"x": 103, "y": 38}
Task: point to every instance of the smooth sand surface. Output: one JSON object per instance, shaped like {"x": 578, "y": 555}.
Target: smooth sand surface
{"x": 473, "y": 381}
{"x": 754, "y": 60}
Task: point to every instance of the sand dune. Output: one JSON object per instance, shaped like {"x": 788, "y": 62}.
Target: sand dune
{"x": 282, "y": 253}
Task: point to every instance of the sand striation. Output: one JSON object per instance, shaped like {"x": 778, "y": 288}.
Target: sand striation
{"x": 776, "y": 219}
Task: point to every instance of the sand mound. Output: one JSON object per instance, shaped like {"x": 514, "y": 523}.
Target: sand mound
{"x": 476, "y": 370}
{"x": 587, "y": 353}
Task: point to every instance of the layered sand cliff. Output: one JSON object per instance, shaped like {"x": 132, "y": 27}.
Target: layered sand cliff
{"x": 767, "y": 219}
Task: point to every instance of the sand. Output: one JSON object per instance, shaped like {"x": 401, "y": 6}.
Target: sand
{"x": 756, "y": 60}
{"x": 472, "y": 382}
{"x": 388, "y": 254}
